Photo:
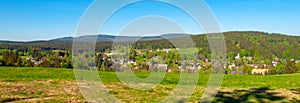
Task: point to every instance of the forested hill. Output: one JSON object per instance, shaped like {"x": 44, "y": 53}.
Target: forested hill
{"x": 266, "y": 44}
{"x": 246, "y": 43}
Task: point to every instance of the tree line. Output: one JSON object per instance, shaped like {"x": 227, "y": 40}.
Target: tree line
{"x": 263, "y": 45}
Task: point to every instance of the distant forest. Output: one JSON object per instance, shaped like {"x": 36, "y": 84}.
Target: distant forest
{"x": 265, "y": 45}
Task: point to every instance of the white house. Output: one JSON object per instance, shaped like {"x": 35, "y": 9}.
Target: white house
{"x": 275, "y": 62}
{"x": 167, "y": 50}
{"x": 255, "y": 66}
{"x": 131, "y": 62}
{"x": 162, "y": 66}
{"x": 237, "y": 56}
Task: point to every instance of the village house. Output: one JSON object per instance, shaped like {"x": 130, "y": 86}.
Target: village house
{"x": 255, "y": 66}
{"x": 162, "y": 66}
{"x": 132, "y": 62}
{"x": 31, "y": 59}
{"x": 167, "y": 50}
{"x": 237, "y": 56}
{"x": 275, "y": 62}
{"x": 43, "y": 59}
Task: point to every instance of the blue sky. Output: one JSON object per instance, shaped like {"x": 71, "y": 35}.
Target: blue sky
{"x": 26, "y": 20}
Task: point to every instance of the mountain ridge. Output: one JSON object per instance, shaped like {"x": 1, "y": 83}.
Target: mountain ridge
{"x": 106, "y": 37}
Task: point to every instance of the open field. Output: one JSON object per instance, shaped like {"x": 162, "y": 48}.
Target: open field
{"x": 59, "y": 85}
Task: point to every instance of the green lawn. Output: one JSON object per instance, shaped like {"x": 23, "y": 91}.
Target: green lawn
{"x": 58, "y": 85}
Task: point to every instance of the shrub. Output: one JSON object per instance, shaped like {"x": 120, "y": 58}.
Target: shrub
{"x": 173, "y": 69}
{"x": 204, "y": 71}
{"x": 279, "y": 68}
{"x": 272, "y": 71}
{"x": 289, "y": 67}
{"x": 246, "y": 69}
{"x": 298, "y": 67}
{"x": 45, "y": 64}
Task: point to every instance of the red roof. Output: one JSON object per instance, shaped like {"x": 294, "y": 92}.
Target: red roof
{"x": 44, "y": 59}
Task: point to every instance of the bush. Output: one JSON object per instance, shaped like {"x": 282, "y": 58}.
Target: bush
{"x": 45, "y": 64}
{"x": 63, "y": 65}
{"x": 227, "y": 71}
{"x": 289, "y": 67}
{"x": 298, "y": 67}
{"x": 273, "y": 71}
{"x": 246, "y": 70}
{"x": 279, "y": 68}
{"x": 204, "y": 71}
{"x": 173, "y": 69}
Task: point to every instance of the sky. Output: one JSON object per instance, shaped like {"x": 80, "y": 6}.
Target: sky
{"x": 27, "y": 20}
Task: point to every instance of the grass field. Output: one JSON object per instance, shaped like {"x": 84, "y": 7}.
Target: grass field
{"x": 59, "y": 85}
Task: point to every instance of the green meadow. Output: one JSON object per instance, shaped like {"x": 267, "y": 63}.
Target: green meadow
{"x": 24, "y": 84}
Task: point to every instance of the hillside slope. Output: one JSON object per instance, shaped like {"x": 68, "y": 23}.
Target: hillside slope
{"x": 247, "y": 43}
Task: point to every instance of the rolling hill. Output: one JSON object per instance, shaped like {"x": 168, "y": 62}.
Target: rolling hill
{"x": 102, "y": 37}
{"x": 252, "y": 43}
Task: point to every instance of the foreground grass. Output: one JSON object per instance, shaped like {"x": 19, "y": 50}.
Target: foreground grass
{"x": 59, "y": 85}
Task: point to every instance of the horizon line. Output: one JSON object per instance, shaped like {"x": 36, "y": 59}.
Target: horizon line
{"x": 108, "y": 34}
